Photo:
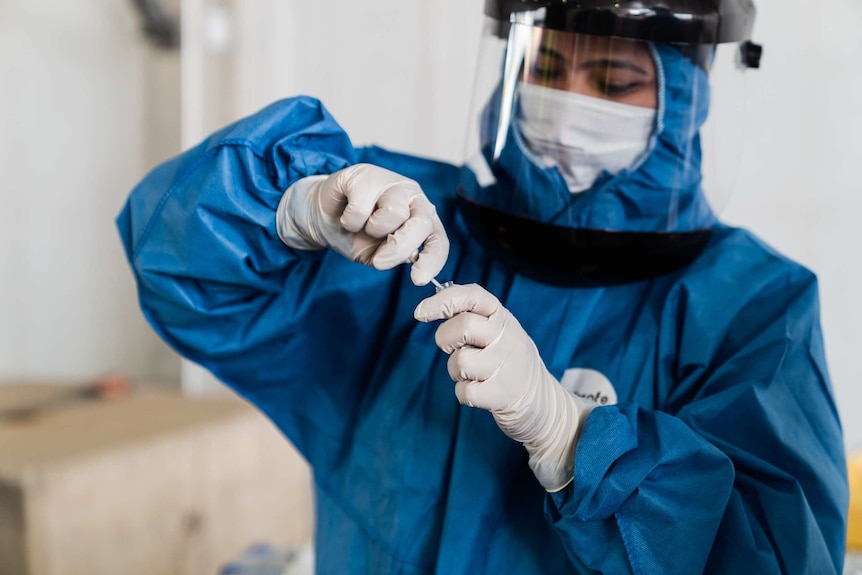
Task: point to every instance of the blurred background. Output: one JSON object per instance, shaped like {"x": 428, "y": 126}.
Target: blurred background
{"x": 94, "y": 93}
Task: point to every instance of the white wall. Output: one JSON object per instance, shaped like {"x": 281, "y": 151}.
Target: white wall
{"x": 80, "y": 123}
{"x": 394, "y": 73}
{"x": 83, "y": 113}
{"x": 798, "y": 186}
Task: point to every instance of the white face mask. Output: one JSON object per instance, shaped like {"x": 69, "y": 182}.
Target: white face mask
{"x": 580, "y": 135}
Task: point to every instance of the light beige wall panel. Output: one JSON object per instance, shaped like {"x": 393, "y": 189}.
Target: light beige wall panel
{"x": 155, "y": 484}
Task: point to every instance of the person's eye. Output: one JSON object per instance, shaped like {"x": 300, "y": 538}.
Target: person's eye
{"x": 546, "y": 69}
{"x": 548, "y": 65}
{"x": 617, "y": 90}
{"x": 616, "y": 85}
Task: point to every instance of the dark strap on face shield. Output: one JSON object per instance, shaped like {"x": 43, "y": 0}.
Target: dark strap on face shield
{"x": 664, "y": 21}
{"x": 750, "y": 54}
{"x": 581, "y": 257}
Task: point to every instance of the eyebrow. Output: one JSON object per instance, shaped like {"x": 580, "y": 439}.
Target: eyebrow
{"x": 597, "y": 63}
{"x": 611, "y": 63}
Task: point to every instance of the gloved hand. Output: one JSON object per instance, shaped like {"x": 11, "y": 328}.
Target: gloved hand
{"x": 496, "y": 366}
{"x": 368, "y": 214}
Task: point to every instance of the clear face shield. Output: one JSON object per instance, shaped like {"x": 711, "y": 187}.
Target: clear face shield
{"x": 601, "y": 149}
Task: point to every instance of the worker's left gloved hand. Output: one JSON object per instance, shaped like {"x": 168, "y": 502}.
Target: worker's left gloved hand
{"x": 496, "y": 366}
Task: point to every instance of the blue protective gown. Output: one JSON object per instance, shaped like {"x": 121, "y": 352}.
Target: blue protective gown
{"x": 723, "y": 455}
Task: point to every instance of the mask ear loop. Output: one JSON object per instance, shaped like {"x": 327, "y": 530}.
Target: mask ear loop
{"x": 516, "y": 48}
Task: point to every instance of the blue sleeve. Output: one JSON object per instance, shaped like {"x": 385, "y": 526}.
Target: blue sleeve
{"x": 742, "y": 471}
{"x": 216, "y": 283}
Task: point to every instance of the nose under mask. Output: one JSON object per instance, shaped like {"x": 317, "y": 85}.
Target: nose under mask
{"x": 580, "y": 135}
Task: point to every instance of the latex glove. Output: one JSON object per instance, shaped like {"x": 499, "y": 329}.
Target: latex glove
{"x": 496, "y": 366}
{"x": 368, "y": 214}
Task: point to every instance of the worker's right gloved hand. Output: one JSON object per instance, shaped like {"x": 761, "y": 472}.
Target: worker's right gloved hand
{"x": 368, "y": 214}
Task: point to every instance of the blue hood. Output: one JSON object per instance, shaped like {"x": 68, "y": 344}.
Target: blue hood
{"x": 660, "y": 193}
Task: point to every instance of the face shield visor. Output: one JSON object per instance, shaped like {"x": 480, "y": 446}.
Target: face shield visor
{"x": 593, "y": 149}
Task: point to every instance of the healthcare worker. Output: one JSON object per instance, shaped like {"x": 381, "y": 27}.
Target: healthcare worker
{"x": 638, "y": 388}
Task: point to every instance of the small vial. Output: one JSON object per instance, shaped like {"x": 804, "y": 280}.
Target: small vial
{"x": 438, "y": 287}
